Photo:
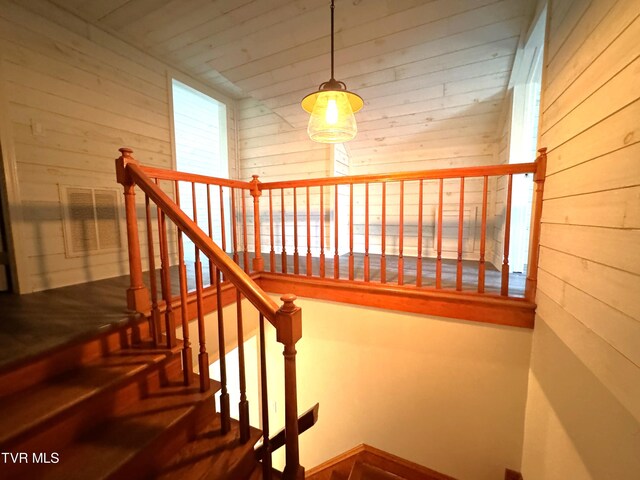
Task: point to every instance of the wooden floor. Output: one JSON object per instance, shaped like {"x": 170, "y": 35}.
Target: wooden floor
{"x": 449, "y": 268}
{"x": 35, "y": 323}
{"x": 38, "y": 322}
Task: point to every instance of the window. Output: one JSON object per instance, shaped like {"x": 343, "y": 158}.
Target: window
{"x": 200, "y": 132}
{"x": 525, "y": 114}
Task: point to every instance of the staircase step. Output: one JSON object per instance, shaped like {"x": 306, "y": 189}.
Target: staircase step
{"x": 130, "y": 444}
{"x": 23, "y": 374}
{"x": 335, "y": 475}
{"x": 364, "y": 471}
{"x": 58, "y": 398}
{"x": 212, "y": 455}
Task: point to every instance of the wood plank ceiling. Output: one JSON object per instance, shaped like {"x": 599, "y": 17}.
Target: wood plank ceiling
{"x": 427, "y": 69}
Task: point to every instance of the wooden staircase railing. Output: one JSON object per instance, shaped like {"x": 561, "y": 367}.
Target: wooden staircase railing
{"x": 332, "y": 204}
{"x": 158, "y": 303}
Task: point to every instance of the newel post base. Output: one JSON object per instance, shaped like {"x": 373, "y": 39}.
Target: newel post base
{"x": 258, "y": 261}
{"x": 289, "y": 331}
{"x": 137, "y": 294}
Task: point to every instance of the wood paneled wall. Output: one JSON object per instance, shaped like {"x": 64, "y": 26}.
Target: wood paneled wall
{"x": 274, "y": 150}
{"x": 73, "y": 95}
{"x": 583, "y": 412}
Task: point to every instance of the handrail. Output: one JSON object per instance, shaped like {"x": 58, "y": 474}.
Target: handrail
{"x": 287, "y": 319}
{"x": 231, "y": 270}
{"x": 164, "y": 174}
{"x": 462, "y": 172}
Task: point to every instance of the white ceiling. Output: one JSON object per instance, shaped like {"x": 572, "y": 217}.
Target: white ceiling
{"x": 422, "y": 66}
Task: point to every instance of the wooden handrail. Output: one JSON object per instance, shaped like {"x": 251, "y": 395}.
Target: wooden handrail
{"x": 464, "y": 172}
{"x": 286, "y": 319}
{"x": 231, "y": 270}
{"x": 164, "y": 174}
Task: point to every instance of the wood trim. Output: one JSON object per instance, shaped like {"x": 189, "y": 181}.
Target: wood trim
{"x": 335, "y": 460}
{"x": 378, "y": 458}
{"x": 491, "y": 170}
{"x": 475, "y": 307}
{"x": 12, "y": 204}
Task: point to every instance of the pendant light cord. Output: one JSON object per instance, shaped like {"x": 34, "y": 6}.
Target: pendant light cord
{"x": 332, "y": 9}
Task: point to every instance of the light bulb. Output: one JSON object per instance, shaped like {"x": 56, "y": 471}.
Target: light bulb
{"x": 332, "y": 119}
{"x": 332, "y": 112}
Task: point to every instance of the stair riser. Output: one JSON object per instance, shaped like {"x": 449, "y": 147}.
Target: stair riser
{"x": 19, "y": 378}
{"x": 57, "y": 432}
{"x": 155, "y": 456}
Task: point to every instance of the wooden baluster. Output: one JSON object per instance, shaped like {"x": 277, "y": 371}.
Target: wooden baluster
{"x": 336, "y": 221}
{"x": 187, "y": 360}
{"x": 284, "y": 234}
{"x": 234, "y": 226}
{"x": 203, "y": 355}
{"x": 169, "y": 318}
{"x": 383, "y": 239}
{"x": 225, "y": 412}
{"x": 272, "y": 253}
{"x": 351, "y": 262}
{"x": 137, "y": 293}
{"x": 439, "y": 233}
{"x": 243, "y": 406}
{"x": 419, "y": 259}
{"x": 296, "y": 260}
{"x": 401, "y": 237}
{"x": 266, "y": 459}
{"x": 289, "y": 331}
{"x": 536, "y": 215}
{"x": 245, "y": 243}
{"x": 258, "y": 261}
{"x": 154, "y": 321}
{"x": 223, "y": 233}
{"x": 367, "y": 273}
{"x": 460, "y": 234}
{"x": 483, "y": 236}
{"x": 195, "y": 220}
{"x": 322, "y": 259}
{"x": 210, "y": 225}
{"x": 309, "y": 257}
{"x": 504, "y": 290}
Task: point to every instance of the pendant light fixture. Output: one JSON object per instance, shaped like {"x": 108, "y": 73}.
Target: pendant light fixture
{"x": 332, "y": 108}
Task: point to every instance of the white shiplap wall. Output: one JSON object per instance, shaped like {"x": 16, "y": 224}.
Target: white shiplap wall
{"x": 73, "y": 95}
{"x": 583, "y": 410}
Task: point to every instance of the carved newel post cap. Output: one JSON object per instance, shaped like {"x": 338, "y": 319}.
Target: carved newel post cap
{"x": 288, "y": 300}
{"x": 542, "y": 150}
{"x": 255, "y": 178}
{"x": 125, "y": 151}
{"x": 289, "y": 321}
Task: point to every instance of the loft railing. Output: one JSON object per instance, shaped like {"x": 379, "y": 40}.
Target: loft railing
{"x": 328, "y": 197}
{"x": 441, "y": 238}
{"x": 174, "y": 227}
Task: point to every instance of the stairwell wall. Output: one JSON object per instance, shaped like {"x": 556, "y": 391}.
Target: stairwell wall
{"x": 583, "y": 405}
{"x": 446, "y": 394}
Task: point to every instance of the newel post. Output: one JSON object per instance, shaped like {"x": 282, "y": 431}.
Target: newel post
{"x": 258, "y": 261}
{"x": 289, "y": 331}
{"x": 536, "y": 218}
{"x": 137, "y": 293}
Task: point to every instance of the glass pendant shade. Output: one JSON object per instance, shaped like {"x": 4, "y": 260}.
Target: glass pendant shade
{"x": 331, "y": 108}
{"x": 332, "y": 119}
